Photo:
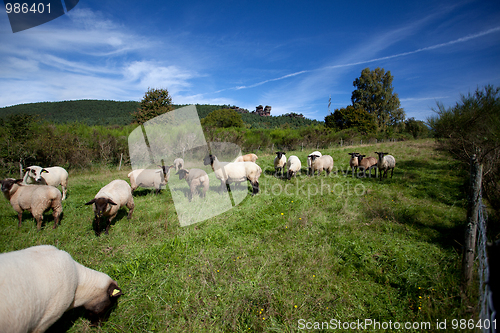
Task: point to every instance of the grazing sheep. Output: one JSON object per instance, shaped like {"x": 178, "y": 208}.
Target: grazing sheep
{"x": 353, "y": 163}
{"x": 178, "y": 164}
{"x": 367, "y": 163}
{"x": 247, "y": 158}
{"x": 321, "y": 163}
{"x": 33, "y": 198}
{"x": 110, "y": 199}
{"x": 40, "y": 283}
{"x": 385, "y": 162}
{"x": 155, "y": 178}
{"x": 309, "y": 161}
{"x": 47, "y": 176}
{"x": 195, "y": 178}
{"x": 279, "y": 163}
{"x": 235, "y": 172}
{"x": 293, "y": 166}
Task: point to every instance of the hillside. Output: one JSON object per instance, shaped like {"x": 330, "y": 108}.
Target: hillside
{"x": 101, "y": 112}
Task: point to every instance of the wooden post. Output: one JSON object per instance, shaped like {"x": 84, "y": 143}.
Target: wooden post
{"x": 20, "y": 169}
{"x": 476, "y": 172}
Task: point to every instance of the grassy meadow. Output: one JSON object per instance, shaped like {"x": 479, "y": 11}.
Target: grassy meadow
{"x": 315, "y": 249}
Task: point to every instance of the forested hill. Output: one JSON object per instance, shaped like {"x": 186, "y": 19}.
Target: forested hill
{"x": 101, "y": 112}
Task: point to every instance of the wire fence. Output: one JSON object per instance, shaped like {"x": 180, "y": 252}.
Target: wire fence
{"x": 487, "y": 309}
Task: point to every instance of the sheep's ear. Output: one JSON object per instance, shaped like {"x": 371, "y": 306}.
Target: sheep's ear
{"x": 114, "y": 291}
{"x": 90, "y": 202}
{"x": 111, "y": 202}
{"x": 43, "y": 170}
{"x": 386, "y": 153}
{"x": 18, "y": 181}
{"x": 362, "y": 155}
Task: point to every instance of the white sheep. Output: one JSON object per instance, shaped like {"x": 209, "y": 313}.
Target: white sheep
{"x": 235, "y": 172}
{"x": 195, "y": 178}
{"x": 110, "y": 199}
{"x": 321, "y": 163}
{"x": 40, "y": 283}
{"x": 353, "y": 163}
{"x": 54, "y": 176}
{"x": 155, "y": 178}
{"x": 247, "y": 158}
{"x": 279, "y": 163}
{"x": 385, "y": 162}
{"x": 367, "y": 163}
{"x": 178, "y": 164}
{"x": 309, "y": 160}
{"x": 293, "y": 166}
{"x": 33, "y": 198}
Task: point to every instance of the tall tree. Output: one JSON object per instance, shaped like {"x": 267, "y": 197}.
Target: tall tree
{"x": 223, "y": 118}
{"x": 375, "y": 94}
{"x": 154, "y": 103}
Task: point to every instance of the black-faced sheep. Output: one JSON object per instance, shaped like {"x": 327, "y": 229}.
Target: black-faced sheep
{"x": 195, "y": 178}
{"x": 353, "y": 163}
{"x": 235, "y": 172}
{"x": 279, "y": 163}
{"x": 109, "y": 200}
{"x": 178, "y": 164}
{"x": 54, "y": 176}
{"x": 247, "y": 158}
{"x": 155, "y": 178}
{"x": 385, "y": 162}
{"x": 367, "y": 163}
{"x": 309, "y": 161}
{"x": 293, "y": 166}
{"x": 324, "y": 162}
{"x": 40, "y": 283}
{"x": 33, "y": 198}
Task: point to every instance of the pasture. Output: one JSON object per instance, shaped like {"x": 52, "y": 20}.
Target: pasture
{"x": 312, "y": 249}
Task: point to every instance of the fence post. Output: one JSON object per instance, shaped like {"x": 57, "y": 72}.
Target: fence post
{"x": 476, "y": 172}
{"x": 20, "y": 168}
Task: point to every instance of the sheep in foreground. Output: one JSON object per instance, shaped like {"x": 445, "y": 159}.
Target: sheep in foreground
{"x": 367, "y": 163}
{"x": 33, "y": 198}
{"x": 178, "y": 164}
{"x": 247, "y": 158}
{"x": 40, "y": 283}
{"x": 279, "y": 163}
{"x": 321, "y": 163}
{"x": 235, "y": 172}
{"x": 293, "y": 166}
{"x": 195, "y": 178}
{"x": 353, "y": 163}
{"x": 385, "y": 162}
{"x": 155, "y": 178}
{"x": 109, "y": 200}
{"x": 47, "y": 176}
{"x": 309, "y": 161}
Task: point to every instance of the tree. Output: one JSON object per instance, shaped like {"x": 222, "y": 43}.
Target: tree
{"x": 375, "y": 94}
{"x": 154, "y": 103}
{"x": 471, "y": 127}
{"x": 223, "y": 118}
{"x": 350, "y": 117}
{"x": 416, "y": 128}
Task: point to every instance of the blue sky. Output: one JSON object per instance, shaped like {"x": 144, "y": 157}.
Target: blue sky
{"x": 290, "y": 55}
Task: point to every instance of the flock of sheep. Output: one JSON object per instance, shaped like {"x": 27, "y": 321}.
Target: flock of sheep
{"x": 37, "y": 191}
{"x": 40, "y": 283}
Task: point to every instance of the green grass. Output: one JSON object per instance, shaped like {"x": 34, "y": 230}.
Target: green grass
{"x": 320, "y": 249}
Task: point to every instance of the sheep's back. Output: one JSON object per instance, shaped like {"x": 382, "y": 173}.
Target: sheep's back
{"x": 118, "y": 190}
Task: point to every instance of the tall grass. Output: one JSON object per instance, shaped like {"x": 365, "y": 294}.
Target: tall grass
{"x": 316, "y": 249}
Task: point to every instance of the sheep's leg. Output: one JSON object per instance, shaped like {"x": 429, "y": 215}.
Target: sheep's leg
{"x": 130, "y": 206}
{"x": 97, "y": 221}
{"x": 392, "y": 172}
{"x": 20, "y": 217}
{"x": 64, "y": 189}
{"x": 39, "y": 220}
